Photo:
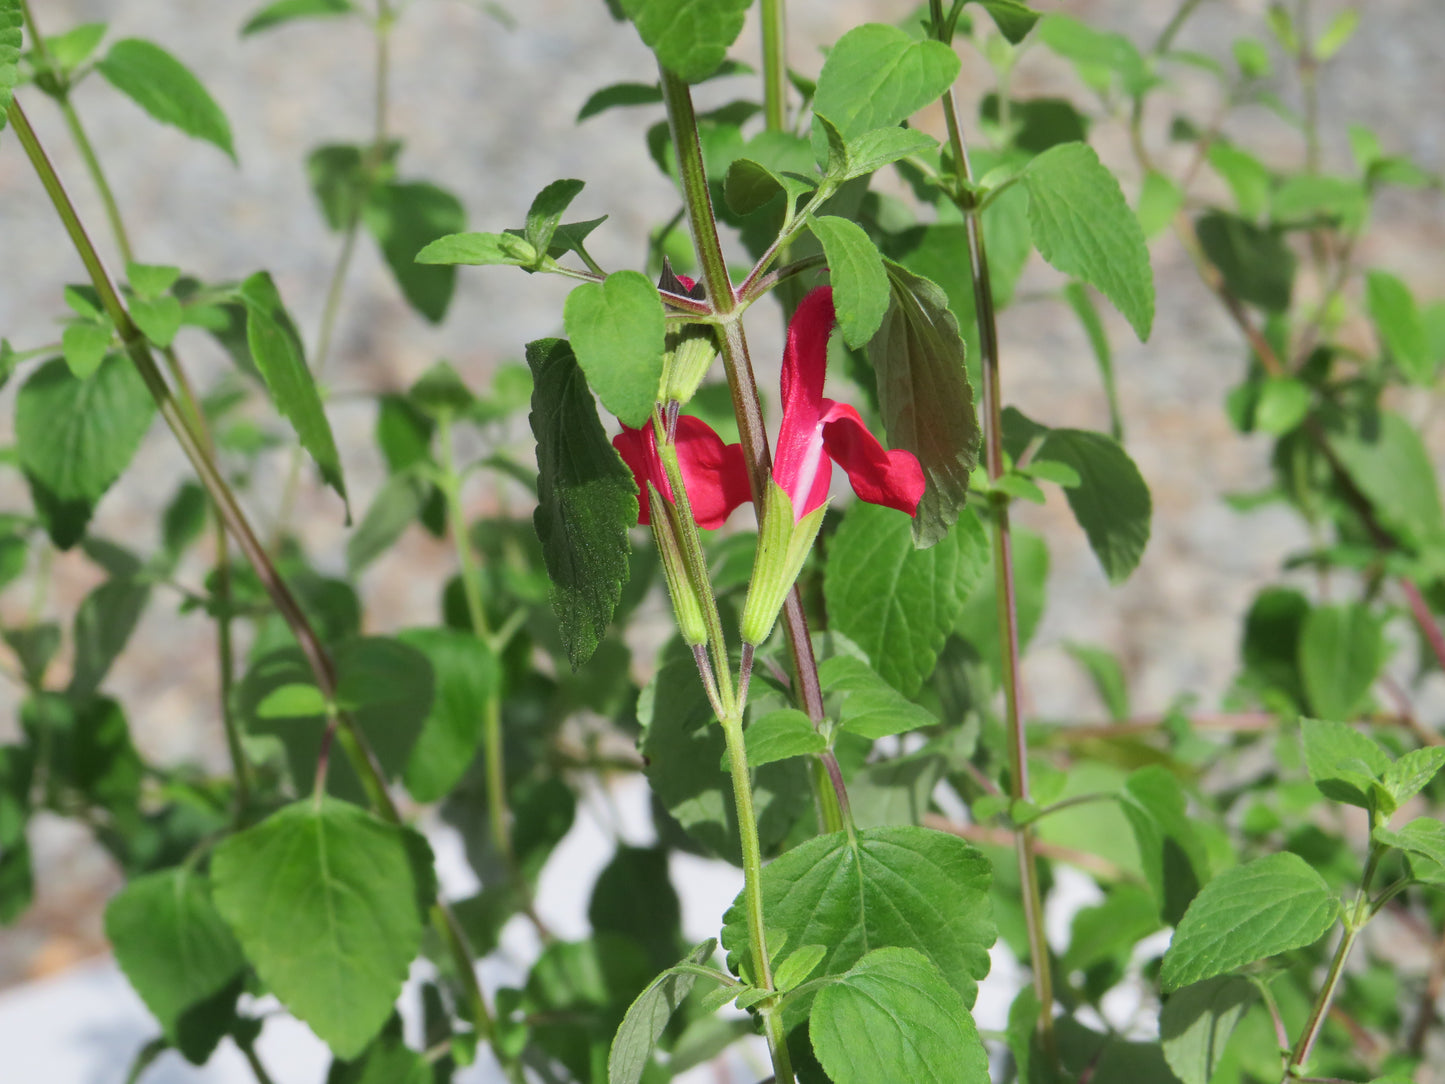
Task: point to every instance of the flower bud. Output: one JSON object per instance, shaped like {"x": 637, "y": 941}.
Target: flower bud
{"x": 686, "y": 605}
{"x": 690, "y": 354}
{"x": 782, "y": 548}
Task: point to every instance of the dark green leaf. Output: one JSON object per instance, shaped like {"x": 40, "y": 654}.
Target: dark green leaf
{"x": 179, "y": 955}
{"x": 34, "y": 647}
{"x": 1257, "y": 265}
{"x": 17, "y": 764}
{"x": 634, "y": 897}
{"x": 17, "y": 884}
{"x": 1082, "y": 225}
{"x": 1175, "y": 862}
{"x": 876, "y": 76}
{"x": 978, "y": 623}
{"x": 586, "y": 498}
{"x": 90, "y": 748}
{"x": 466, "y": 677}
{"x": 1077, "y": 295}
{"x": 780, "y": 734}
{"x": 1111, "y": 501}
{"x": 479, "y": 249}
{"x": 617, "y": 330}
{"x": 74, "y": 438}
{"x": 397, "y": 504}
{"x": 283, "y": 11}
{"x": 1248, "y": 913}
{"x": 1342, "y": 762}
{"x": 404, "y": 219}
{"x": 338, "y": 176}
{"x": 925, "y": 398}
{"x": 1038, "y": 123}
{"x": 329, "y": 904}
{"x": 1196, "y": 1024}
{"x": 1423, "y": 839}
{"x": 860, "y": 285}
{"x": 619, "y": 94}
{"x": 893, "y": 1016}
{"x": 103, "y": 624}
{"x": 1341, "y": 652}
{"x": 165, "y": 88}
{"x": 898, "y": 603}
{"x": 388, "y": 1060}
{"x": 1013, "y": 18}
{"x": 1386, "y": 458}
{"x": 276, "y": 348}
{"x": 647, "y": 1018}
{"x": 690, "y": 40}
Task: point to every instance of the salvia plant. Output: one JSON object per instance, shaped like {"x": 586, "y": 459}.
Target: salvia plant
{"x": 838, "y": 709}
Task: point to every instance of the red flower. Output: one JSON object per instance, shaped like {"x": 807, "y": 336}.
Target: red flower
{"x": 715, "y": 473}
{"x": 817, "y": 432}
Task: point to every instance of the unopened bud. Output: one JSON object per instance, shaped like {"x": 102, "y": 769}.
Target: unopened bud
{"x": 686, "y": 606}
{"x": 783, "y": 546}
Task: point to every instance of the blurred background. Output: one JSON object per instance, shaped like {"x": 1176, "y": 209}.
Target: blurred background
{"x": 485, "y": 97}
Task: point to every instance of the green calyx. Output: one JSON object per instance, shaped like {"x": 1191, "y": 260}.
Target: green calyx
{"x": 685, "y": 602}
{"x": 690, "y": 354}
{"x": 783, "y": 546}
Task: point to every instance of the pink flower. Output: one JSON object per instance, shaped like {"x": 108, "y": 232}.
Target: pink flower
{"x": 817, "y": 432}
{"x": 715, "y": 474}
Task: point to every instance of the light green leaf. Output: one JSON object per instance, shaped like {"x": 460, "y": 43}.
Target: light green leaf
{"x": 1423, "y": 839}
{"x": 1111, "y": 501}
{"x": 165, "y": 88}
{"x": 1197, "y": 1022}
{"x": 1159, "y": 201}
{"x": 1257, "y": 265}
{"x": 283, "y": 11}
{"x": 1246, "y": 176}
{"x": 1412, "y": 772}
{"x": 466, "y": 674}
{"x": 389, "y": 1060}
{"x": 1082, "y": 225}
{"x": 855, "y": 268}
{"x": 179, "y": 955}
{"x": 150, "y": 281}
{"x": 1386, "y": 458}
{"x": 1284, "y": 402}
{"x": 1341, "y": 651}
{"x": 405, "y": 218}
{"x": 618, "y": 331}
{"x": 925, "y": 398}
{"x": 872, "y": 708}
{"x": 879, "y": 891}
{"x": 75, "y": 437}
{"x": 873, "y": 150}
{"x": 84, "y": 345}
{"x": 647, "y": 1018}
{"x": 479, "y": 249}
{"x": 12, "y": 20}
{"x": 291, "y": 701}
{"x": 780, "y": 734}
{"x": 68, "y": 51}
{"x": 1099, "y": 57}
{"x": 1397, "y": 321}
{"x": 877, "y": 76}
{"x": 690, "y": 39}
{"x": 328, "y": 903}
{"x": 1248, "y": 913}
{"x": 586, "y": 497}
{"x": 158, "y": 318}
{"x": 1342, "y": 762}
{"x": 397, "y": 504}
{"x": 893, "y": 1016}
{"x": 1333, "y": 38}
{"x": 895, "y": 602}
{"x": 1173, "y": 856}
{"x": 276, "y": 349}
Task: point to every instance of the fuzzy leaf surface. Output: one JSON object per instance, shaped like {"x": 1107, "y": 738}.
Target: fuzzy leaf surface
{"x": 690, "y": 37}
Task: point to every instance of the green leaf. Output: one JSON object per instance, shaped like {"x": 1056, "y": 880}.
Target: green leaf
{"x": 1248, "y": 913}
{"x": 73, "y": 48}
{"x": 466, "y": 675}
{"x": 165, "y": 88}
{"x": 895, "y": 602}
{"x": 340, "y": 181}
{"x": 751, "y": 186}
{"x": 1284, "y": 402}
{"x": 1246, "y": 176}
{"x": 1036, "y": 124}
{"x": 634, "y": 897}
{"x": 1412, "y": 773}
{"x": 1333, "y": 38}
{"x": 860, "y": 285}
{"x": 1082, "y": 225}
{"x": 1421, "y": 838}
{"x": 1342, "y": 762}
{"x": 1111, "y": 501}
{"x": 978, "y": 623}
{"x": 1386, "y": 458}
{"x": 1107, "y": 676}
{"x": 12, "y": 20}
{"x": 276, "y": 349}
{"x": 619, "y": 94}
{"x": 1341, "y": 652}
{"x": 872, "y": 708}
{"x": 405, "y": 218}
{"x": 150, "y": 281}
{"x": 328, "y": 903}
{"x": 388, "y": 1060}
{"x": 780, "y": 734}
{"x": 1099, "y": 57}
{"x": 647, "y": 1018}
{"x": 1013, "y": 18}
{"x": 873, "y": 150}
{"x": 1397, "y": 321}
{"x": 618, "y": 330}
{"x": 75, "y": 437}
{"x": 283, "y": 11}
{"x": 586, "y": 498}
{"x": 34, "y": 647}
{"x": 84, "y": 345}
{"x": 1196, "y": 1023}
{"x": 876, "y": 76}
{"x": 879, "y": 891}
{"x": 893, "y": 1016}
{"x": 925, "y": 398}
{"x": 90, "y": 748}
{"x": 479, "y": 249}
{"x": 1175, "y": 862}
{"x": 1159, "y": 201}
{"x": 545, "y": 213}
{"x": 159, "y": 318}
{"x": 396, "y": 506}
{"x": 691, "y": 39}
{"x": 103, "y": 625}
{"x": 179, "y": 955}
{"x": 1077, "y": 295}
{"x": 1257, "y": 265}
{"x": 291, "y": 701}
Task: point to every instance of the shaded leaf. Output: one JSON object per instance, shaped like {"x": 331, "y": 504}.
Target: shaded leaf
{"x": 1341, "y": 651}
{"x": 1197, "y": 1022}
{"x": 404, "y": 219}
{"x": 466, "y": 675}
{"x": 1257, "y": 265}
{"x": 1111, "y": 501}
{"x": 283, "y": 11}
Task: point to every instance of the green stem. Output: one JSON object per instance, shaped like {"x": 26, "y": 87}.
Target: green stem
{"x": 775, "y": 65}
{"x": 97, "y": 174}
{"x": 1007, "y": 611}
{"x": 248, "y": 1050}
{"x": 226, "y": 659}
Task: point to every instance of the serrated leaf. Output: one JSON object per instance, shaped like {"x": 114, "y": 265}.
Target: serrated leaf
{"x": 1421, "y": 838}
{"x": 85, "y": 345}
{"x": 1341, "y": 761}
{"x": 1197, "y": 1022}
{"x": 276, "y": 349}
{"x": 1397, "y": 321}
{"x": 925, "y": 397}
{"x": 167, "y": 90}
{"x": 895, "y": 602}
{"x": 586, "y": 498}
{"x": 395, "y": 507}
{"x": 872, "y": 708}
{"x": 479, "y": 249}
{"x": 876, "y": 76}
{"x": 1174, "y": 859}
{"x": 1257, "y": 265}
{"x": 75, "y": 437}
{"x": 283, "y": 11}
{"x": 1412, "y": 772}
{"x": 1341, "y": 652}
{"x": 647, "y": 1018}
{"x": 179, "y": 955}
{"x": 617, "y": 331}
{"x": 465, "y": 675}
{"x": 691, "y": 39}
{"x": 546, "y": 211}
{"x": 12, "y": 19}
{"x": 781, "y": 734}
{"x": 855, "y": 268}
{"x": 870, "y": 151}
{"x": 1248, "y": 913}
{"x": 893, "y": 1016}
{"x": 1111, "y": 501}
{"x": 1082, "y": 225}
{"x": 881, "y": 890}
{"x": 404, "y": 219}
